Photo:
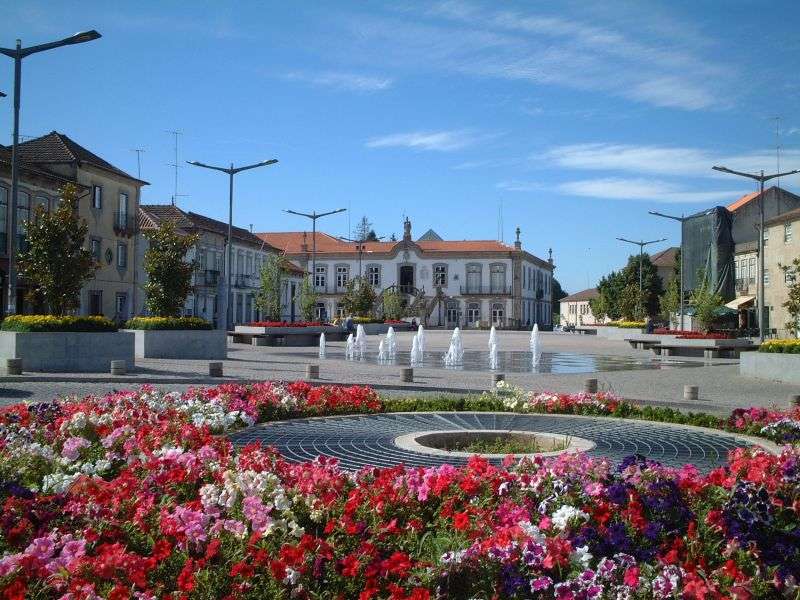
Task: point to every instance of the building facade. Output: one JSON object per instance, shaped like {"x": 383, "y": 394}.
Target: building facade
{"x": 783, "y": 246}
{"x": 575, "y": 309}
{"x": 108, "y": 202}
{"x": 209, "y": 278}
{"x": 444, "y": 283}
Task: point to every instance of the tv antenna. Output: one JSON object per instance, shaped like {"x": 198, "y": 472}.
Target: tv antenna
{"x": 138, "y": 161}
{"x": 777, "y": 120}
{"x": 176, "y": 165}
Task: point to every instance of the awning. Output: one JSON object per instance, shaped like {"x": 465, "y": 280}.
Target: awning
{"x": 741, "y": 302}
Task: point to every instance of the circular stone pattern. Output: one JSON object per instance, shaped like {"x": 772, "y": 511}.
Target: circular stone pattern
{"x": 439, "y": 443}
{"x": 369, "y": 440}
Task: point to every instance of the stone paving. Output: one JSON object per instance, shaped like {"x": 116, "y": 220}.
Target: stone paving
{"x": 721, "y": 387}
{"x": 369, "y": 440}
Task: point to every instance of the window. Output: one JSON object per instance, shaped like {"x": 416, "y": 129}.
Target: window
{"x": 473, "y": 312}
{"x": 320, "y": 314}
{"x": 440, "y": 275}
{"x": 752, "y": 270}
{"x": 122, "y": 255}
{"x": 498, "y": 279}
{"x": 789, "y": 278}
{"x": 374, "y": 275}
{"x": 97, "y": 197}
{"x": 3, "y": 222}
{"x": 766, "y": 236}
{"x": 96, "y": 302}
{"x": 249, "y": 264}
{"x": 342, "y": 276}
{"x": 23, "y": 214}
{"x": 498, "y": 313}
{"x": 320, "y": 276}
{"x": 766, "y": 277}
{"x": 473, "y": 278}
{"x": 95, "y": 247}
{"x": 787, "y": 233}
{"x": 121, "y": 218}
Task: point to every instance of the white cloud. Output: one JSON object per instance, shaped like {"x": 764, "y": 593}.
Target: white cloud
{"x": 343, "y": 81}
{"x": 516, "y": 185}
{"x": 614, "y": 188}
{"x": 662, "y": 160}
{"x": 440, "y": 141}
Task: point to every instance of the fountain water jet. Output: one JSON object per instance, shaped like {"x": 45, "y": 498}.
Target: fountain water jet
{"x": 421, "y": 339}
{"x": 416, "y": 353}
{"x": 455, "y": 353}
{"x": 536, "y": 352}
{"x": 492, "y": 336}
{"x": 381, "y": 350}
{"x": 322, "y": 345}
{"x": 350, "y": 347}
{"x": 493, "y": 361}
{"x": 361, "y": 341}
{"x": 391, "y": 344}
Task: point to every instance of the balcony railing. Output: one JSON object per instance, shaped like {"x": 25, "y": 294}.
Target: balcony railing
{"x": 124, "y": 223}
{"x": 485, "y": 290}
{"x": 208, "y": 277}
{"x": 743, "y": 285}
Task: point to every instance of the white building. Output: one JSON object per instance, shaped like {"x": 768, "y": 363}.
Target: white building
{"x": 249, "y": 253}
{"x": 445, "y": 283}
{"x": 575, "y": 309}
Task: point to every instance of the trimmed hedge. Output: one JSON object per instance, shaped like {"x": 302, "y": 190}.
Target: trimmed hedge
{"x": 625, "y": 324}
{"x": 167, "y": 323}
{"x": 781, "y": 346}
{"x": 50, "y": 323}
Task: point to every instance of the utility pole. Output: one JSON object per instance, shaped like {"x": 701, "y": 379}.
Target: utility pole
{"x": 760, "y": 178}
{"x": 641, "y": 245}
{"x": 175, "y": 165}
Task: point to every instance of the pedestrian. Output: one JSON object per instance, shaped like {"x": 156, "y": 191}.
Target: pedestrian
{"x": 348, "y": 323}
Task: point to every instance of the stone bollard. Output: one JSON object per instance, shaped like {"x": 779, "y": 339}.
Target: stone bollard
{"x": 215, "y": 369}
{"x": 590, "y": 386}
{"x": 119, "y": 367}
{"x": 407, "y": 375}
{"x": 497, "y": 377}
{"x": 13, "y": 366}
{"x": 691, "y": 392}
{"x": 312, "y": 371}
{"x": 794, "y": 399}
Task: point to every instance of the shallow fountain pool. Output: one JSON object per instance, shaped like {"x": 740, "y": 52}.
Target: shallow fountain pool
{"x": 513, "y": 361}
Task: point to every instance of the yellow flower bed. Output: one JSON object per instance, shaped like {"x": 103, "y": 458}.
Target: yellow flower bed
{"x": 626, "y": 324}
{"x": 44, "y": 323}
{"x": 781, "y": 346}
{"x": 167, "y": 323}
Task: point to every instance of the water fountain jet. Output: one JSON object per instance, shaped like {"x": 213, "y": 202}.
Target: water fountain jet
{"x": 322, "y": 345}
{"x": 455, "y": 353}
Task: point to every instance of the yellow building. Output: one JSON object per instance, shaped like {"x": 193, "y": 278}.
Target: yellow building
{"x": 109, "y": 203}
{"x": 782, "y": 235}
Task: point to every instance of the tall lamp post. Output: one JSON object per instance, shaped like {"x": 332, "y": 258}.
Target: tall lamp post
{"x": 680, "y": 220}
{"x": 314, "y": 216}
{"x": 760, "y": 178}
{"x": 231, "y": 171}
{"x": 17, "y": 54}
{"x": 641, "y": 245}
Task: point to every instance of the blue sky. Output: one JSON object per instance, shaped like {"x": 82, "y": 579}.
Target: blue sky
{"x": 578, "y": 118}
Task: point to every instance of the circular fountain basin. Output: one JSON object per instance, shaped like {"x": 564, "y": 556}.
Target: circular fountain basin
{"x": 437, "y": 443}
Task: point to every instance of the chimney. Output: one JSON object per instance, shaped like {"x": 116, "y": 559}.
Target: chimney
{"x": 304, "y": 245}
{"x": 407, "y": 230}
{"x": 517, "y": 243}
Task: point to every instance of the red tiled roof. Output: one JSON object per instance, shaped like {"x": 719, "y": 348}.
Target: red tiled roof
{"x": 665, "y": 258}
{"x": 742, "y": 201}
{"x": 292, "y": 242}
{"x": 582, "y": 296}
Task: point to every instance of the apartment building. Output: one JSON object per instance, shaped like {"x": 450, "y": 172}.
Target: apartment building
{"x": 783, "y": 246}
{"x": 109, "y": 205}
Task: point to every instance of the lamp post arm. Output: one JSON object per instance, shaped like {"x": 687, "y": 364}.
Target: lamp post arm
{"x": 264, "y": 163}
{"x": 195, "y": 163}
{"x": 768, "y": 177}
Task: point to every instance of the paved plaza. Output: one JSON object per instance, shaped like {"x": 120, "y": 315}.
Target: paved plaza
{"x": 638, "y": 375}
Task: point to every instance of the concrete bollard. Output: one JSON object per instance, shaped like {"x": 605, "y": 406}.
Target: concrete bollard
{"x": 407, "y": 375}
{"x": 14, "y": 366}
{"x": 497, "y": 377}
{"x": 312, "y": 371}
{"x": 590, "y": 386}
{"x": 215, "y": 369}
{"x": 794, "y": 399}
{"x": 691, "y": 392}
{"x": 119, "y": 367}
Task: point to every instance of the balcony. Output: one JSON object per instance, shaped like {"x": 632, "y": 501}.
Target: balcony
{"x": 208, "y": 277}
{"x": 485, "y": 290}
{"x": 743, "y": 285}
{"x": 124, "y": 223}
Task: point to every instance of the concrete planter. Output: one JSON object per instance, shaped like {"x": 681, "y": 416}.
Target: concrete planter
{"x": 180, "y": 343}
{"x": 616, "y": 333}
{"x": 774, "y": 366}
{"x": 68, "y": 352}
{"x": 382, "y": 328}
{"x": 249, "y": 329}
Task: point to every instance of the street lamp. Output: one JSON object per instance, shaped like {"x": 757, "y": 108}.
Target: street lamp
{"x": 681, "y": 220}
{"x": 313, "y": 215}
{"x": 18, "y": 53}
{"x": 360, "y": 245}
{"x": 760, "y": 178}
{"x": 641, "y": 245}
{"x": 231, "y": 171}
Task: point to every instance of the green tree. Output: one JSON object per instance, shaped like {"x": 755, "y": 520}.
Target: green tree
{"x": 359, "y": 297}
{"x": 273, "y": 274}
{"x": 632, "y": 303}
{"x": 615, "y": 284}
{"x": 706, "y": 302}
{"x": 307, "y": 299}
{"x": 558, "y": 294}
{"x": 56, "y": 264}
{"x": 169, "y": 274}
{"x": 392, "y": 304}
{"x": 364, "y": 230}
{"x": 610, "y": 289}
{"x": 792, "y": 305}
{"x": 600, "y": 307}
{"x": 670, "y": 300}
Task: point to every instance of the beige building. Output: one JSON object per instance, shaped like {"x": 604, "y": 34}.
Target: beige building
{"x": 575, "y": 309}
{"x": 664, "y": 262}
{"x": 109, "y": 204}
{"x": 782, "y": 234}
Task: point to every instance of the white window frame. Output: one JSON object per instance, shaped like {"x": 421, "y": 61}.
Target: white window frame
{"x": 97, "y": 197}
{"x": 440, "y": 274}
{"x": 321, "y": 276}
{"x": 122, "y": 253}
{"x": 342, "y": 277}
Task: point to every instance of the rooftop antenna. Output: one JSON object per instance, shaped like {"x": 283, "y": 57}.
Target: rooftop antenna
{"x": 177, "y": 166}
{"x": 777, "y": 120}
{"x": 138, "y": 161}
{"x": 500, "y": 225}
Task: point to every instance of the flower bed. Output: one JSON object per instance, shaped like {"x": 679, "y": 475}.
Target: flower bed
{"x": 286, "y": 324}
{"x": 699, "y": 335}
{"x": 781, "y": 346}
{"x": 625, "y": 324}
{"x": 51, "y": 323}
{"x": 130, "y": 495}
{"x": 168, "y": 323}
